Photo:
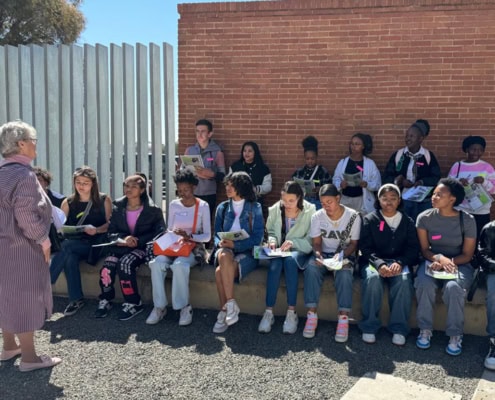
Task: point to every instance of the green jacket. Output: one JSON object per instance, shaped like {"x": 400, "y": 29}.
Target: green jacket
{"x": 299, "y": 234}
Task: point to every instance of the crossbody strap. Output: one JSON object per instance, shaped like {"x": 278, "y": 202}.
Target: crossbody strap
{"x": 85, "y": 214}
{"x": 195, "y": 216}
{"x": 346, "y": 233}
{"x": 314, "y": 173}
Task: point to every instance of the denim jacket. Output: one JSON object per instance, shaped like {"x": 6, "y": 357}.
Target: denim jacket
{"x": 254, "y": 225}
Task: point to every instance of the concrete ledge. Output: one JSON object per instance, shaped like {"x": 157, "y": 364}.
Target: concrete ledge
{"x": 250, "y": 295}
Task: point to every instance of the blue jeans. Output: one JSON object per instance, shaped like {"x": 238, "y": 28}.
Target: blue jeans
{"x": 67, "y": 259}
{"x": 413, "y": 208}
{"x": 290, "y": 267}
{"x": 490, "y": 304}
{"x": 314, "y": 275}
{"x": 400, "y": 299}
{"x": 454, "y": 297}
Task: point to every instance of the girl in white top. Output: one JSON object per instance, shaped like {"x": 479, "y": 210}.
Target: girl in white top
{"x": 359, "y": 198}
{"x": 334, "y": 228}
{"x": 180, "y": 221}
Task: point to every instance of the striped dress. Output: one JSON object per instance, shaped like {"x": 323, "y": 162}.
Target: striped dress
{"x": 25, "y": 216}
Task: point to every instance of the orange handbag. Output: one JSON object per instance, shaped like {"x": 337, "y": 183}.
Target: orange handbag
{"x": 181, "y": 248}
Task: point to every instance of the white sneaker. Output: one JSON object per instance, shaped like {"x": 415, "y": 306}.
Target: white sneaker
{"x": 398, "y": 339}
{"x": 369, "y": 338}
{"x": 186, "y": 315}
{"x": 454, "y": 348}
{"x": 267, "y": 321}
{"x": 156, "y": 315}
{"x": 290, "y": 323}
{"x": 424, "y": 339}
{"x": 232, "y": 312}
{"x": 220, "y": 326}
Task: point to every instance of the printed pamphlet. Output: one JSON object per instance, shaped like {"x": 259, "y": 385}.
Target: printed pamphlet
{"x": 353, "y": 180}
{"x": 439, "y": 274}
{"x": 192, "y": 161}
{"x": 417, "y": 194}
{"x": 236, "y": 235}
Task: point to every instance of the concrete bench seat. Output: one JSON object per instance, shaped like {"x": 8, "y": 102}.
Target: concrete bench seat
{"x": 250, "y": 295}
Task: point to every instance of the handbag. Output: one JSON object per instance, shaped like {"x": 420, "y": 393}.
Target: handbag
{"x": 182, "y": 248}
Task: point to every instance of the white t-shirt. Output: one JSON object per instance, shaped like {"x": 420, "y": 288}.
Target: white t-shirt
{"x": 238, "y": 207}
{"x": 331, "y": 231}
{"x": 181, "y": 217}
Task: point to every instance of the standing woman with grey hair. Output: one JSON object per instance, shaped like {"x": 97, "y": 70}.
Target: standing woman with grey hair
{"x": 25, "y": 216}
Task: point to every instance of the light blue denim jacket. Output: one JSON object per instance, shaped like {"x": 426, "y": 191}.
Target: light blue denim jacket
{"x": 224, "y": 219}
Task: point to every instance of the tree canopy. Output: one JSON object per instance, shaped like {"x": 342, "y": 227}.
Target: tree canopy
{"x": 40, "y": 21}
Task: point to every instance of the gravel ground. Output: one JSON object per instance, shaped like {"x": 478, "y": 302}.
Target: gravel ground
{"x": 108, "y": 359}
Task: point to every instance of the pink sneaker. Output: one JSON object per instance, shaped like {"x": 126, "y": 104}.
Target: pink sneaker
{"x": 342, "y": 333}
{"x": 311, "y": 324}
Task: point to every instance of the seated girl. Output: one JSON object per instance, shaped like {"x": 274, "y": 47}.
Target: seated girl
{"x": 91, "y": 209}
{"x": 136, "y": 220}
{"x": 188, "y": 217}
{"x": 234, "y": 258}
{"x": 288, "y": 224}
{"x": 389, "y": 249}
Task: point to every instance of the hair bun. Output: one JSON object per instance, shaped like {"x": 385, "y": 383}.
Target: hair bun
{"x": 310, "y": 143}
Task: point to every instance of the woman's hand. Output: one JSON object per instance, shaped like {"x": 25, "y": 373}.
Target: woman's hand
{"x": 47, "y": 254}
{"x": 464, "y": 181}
{"x": 287, "y": 245}
{"x": 318, "y": 258}
{"x": 395, "y": 269}
{"x": 479, "y": 180}
{"x": 363, "y": 184}
{"x": 182, "y": 232}
{"x": 90, "y": 230}
{"x": 343, "y": 184}
{"x": 227, "y": 244}
{"x": 130, "y": 241}
{"x": 445, "y": 264}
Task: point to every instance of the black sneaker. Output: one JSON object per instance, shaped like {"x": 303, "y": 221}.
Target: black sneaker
{"x": 74, "y": 307}
{"x": 130, "y": 310}
{"x": 103, "y": 307}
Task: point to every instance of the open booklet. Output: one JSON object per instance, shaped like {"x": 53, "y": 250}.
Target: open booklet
{"x": 306, "y": 185}
{"x": 276, "y": 252}
{"x": 71, "y": 229}
{"x": 439, "y": 274}
{"x": 476, "y": 196}
{"x": 353, "y": 180}
{"x": 417, "y": 193}
{"x": 334, "y": 263}
{"x": 236, "y": 235}
{"x": 111, "y": 243}
{"x": 192, "y": 161}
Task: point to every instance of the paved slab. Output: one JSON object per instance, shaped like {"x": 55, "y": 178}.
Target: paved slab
{"x": 486, "y": 387}
{"x": 387, "y": 387}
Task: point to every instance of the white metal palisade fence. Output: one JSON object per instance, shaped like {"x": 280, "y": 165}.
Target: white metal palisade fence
{"x": 106, "y": 107}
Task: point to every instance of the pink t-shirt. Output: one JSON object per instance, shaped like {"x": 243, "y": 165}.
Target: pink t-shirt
{"x": 132, "y": 217}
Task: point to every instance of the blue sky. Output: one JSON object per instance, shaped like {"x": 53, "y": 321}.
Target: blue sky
{"x": 134, "y": 21}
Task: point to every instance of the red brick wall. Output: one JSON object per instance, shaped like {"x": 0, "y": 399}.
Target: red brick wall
{"x": 276, "y": 71}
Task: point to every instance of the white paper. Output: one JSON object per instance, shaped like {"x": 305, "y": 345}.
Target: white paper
{"x": 276, "y": 252}
{"x": 167, "y": 240}
{"x": 58, "y": 217}
{"x": 112, "y": 243}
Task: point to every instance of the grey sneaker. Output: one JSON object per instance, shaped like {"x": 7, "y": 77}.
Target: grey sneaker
{"x": 73, "y": 307}
{"x": 267, "y": 321}
{"x": 103, "y": 307}
{"x": 291, "y": 322}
